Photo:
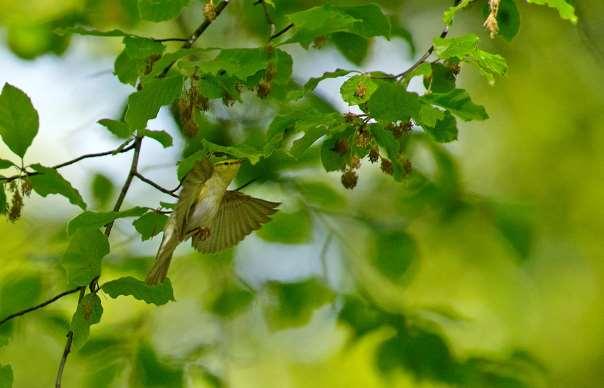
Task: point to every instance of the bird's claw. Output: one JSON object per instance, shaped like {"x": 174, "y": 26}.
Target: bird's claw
{"x": 202, "y": 233}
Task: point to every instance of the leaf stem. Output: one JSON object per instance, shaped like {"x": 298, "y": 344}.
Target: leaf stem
{"x": 67, "y": 348}
{"x": 281, "y": 32}
{"x": 155, "y": 185}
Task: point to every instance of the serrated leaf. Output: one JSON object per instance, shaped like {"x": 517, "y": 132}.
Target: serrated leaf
{"x": 162, "y": 137}
{"x": 6, "y": 376}
{"x": 19, "y": 120}
{"x": 82, "y": 259}
{"x": 156, "y": 294}
{"x": 49, "y": 181}
{"x": 144, "y": 105}
{"x": 459, "y": 103}
{"x": 444, "y": 130}
{"x": 565, "y": 10}
{"x": 287, "y": 228}
{"x": 465, "y": 48}
{"x": 88, "y": 313}
{"x": 134, "y": 61}
{"x": 358, "y": 89}
{"x": 97, "y": 220}
{"x": 319, "y": 21}
{"x": 312, "y": 83}
{"x": 392, "y": 102}
{"x": 160, "y": 10}
{"x": 118, "y": 128}
{"x": 150, "y": 224}
{"x": 293, "y": 304}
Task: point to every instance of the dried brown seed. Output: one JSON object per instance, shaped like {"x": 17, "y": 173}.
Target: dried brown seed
{"x": 350, "y": 179}
{"x": 386, "y": 166}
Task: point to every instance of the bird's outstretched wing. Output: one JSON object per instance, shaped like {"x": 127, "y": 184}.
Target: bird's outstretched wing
{"x": 238, "y": 215}
{"x": 191, "y": 187}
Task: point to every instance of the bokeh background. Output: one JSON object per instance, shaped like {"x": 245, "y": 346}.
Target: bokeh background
{"x": 508, "y": 253}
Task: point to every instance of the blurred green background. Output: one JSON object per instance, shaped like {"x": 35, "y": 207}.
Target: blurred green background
{"x": 508, "y": 252}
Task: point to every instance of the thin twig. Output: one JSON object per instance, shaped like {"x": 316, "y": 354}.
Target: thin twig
{"x": 67, "y": 348}
{"x": 197, "y": 33}
{"x": 39, "y": 306}
{"x": 246, "y": 184}
{"x": 61, "y": 165}
{"x": 283, "y": 31}
{"x": 171, "y": 40}
{"x": 267, "y": 16}
{"x": 423, "y": 58}
{"x": 155, "y": 185}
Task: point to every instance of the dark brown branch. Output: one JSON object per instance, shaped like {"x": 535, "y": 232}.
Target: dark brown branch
{"x": 41, "y": 305}
{"x": 155, "y": 185}
{"x": 197, "y": 33}
{"x": 283, "y": 31}
{"x": 67, "y": 348}
{"x": 73, "y": 161}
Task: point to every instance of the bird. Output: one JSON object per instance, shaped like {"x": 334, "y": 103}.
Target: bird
{"x": 212, "y": 216}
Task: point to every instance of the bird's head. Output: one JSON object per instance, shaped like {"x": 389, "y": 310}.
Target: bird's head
{"x": 227, "y": 169}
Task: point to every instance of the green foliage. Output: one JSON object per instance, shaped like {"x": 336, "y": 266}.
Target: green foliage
{"x": 162, "y": 137}
{"x": 82, "y": 259}
{"x": 49, "y": 181}
{"x": 458, "y": 102}
{"x": 6, "y": 376}
{"x": 150, "y": 224}
{"x": 96, "y": 220}
{"x": 566, "y": 10}
{"x": 312, "y": 83}
{"x": 288, "y": 228}
{"x": 157, "y": 294}
{"x": 88, "y": 313}
{"x": 321, "y": 195}
{"x": 358, "y": 89}
{"x": 18, "y": 119}
{"x": 394, "y": 253}
{"x": 144, "y": 105}
{"x": 102, "y": 189}
{"x": 159, "y": 10}
{"x": 508, "y": 19}
{"x": 231, "y": 301}
{"x": 392, "y": 102}
{"x": 19, "y": 292}
{"x": 149, "y": 371}
{"x": 293, "y": 304}
{"x": 118, "y": 128}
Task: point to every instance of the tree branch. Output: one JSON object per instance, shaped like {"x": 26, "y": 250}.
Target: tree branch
{"x": 197, "y": 33}
{"x": 73, "y": 161}
{"x": 283, "y": 31}
{"x": 155, "y": 185}
{"x": 423, "y": 58}
{"x": 93, "y": 284}
{"x": 39, "y": 306}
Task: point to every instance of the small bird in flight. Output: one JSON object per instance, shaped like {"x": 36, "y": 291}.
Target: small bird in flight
{"x": 214, "y": 217}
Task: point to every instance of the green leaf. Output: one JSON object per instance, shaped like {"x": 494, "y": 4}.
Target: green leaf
{"x": 136, "y": 58}
{"x": 185, "y": 165}
{"x": 314, "y": 127}
{"x": 293, "y": 304}
{"x": 353, "y": 47}
{"x": 102, "y": 189}
{"x": 240, "y": 63}
{"x": 465, "y": 48}
{"x": 149, "y": 372}
{"x": 321, "y": 195}
{"x": 118, "y": 128}
{"x": 240, "y": 151}
{"x": 18, "y": 119}
{"x": 97, "y": 220}
{"x": 565, "y": 10}
{"x": 393, "y": 254}
{"x": 150, "y": 224}
{"x": 4, "y": 164}
{"x": 49, "y": 181}
{"x": 445, "y": 130}
{"x": 331, "y": 159}
{"x": 516, "y": 224}
{"x": 82, "y": 259}
{"x": 372, "y": 21}
{"x": 319, "y": 21}
{"x": 162, "y": 137}
{"x": 312, "y": 83}
{"x": 442, "y": 80}
{"x": 288, "y": 228}
{"x": 6, "y": 376}
{"x": 144, "y": 105}
{"x": 18, "y": 292}
{"x": 231, "y": 301}
{"x": 88, "y": 313}
{"x": 157, "y": 294}
{"x": 450, "y": 13}
{"x": 358, "y": 89}
{"x": 160, "y": 10}
{"x": 91, "y": 32}
{"x": 459, "y": 103}
{"x": 391, "y": 102}
{"x": 508, "y": 19}
{"x": 428, "y": 115}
